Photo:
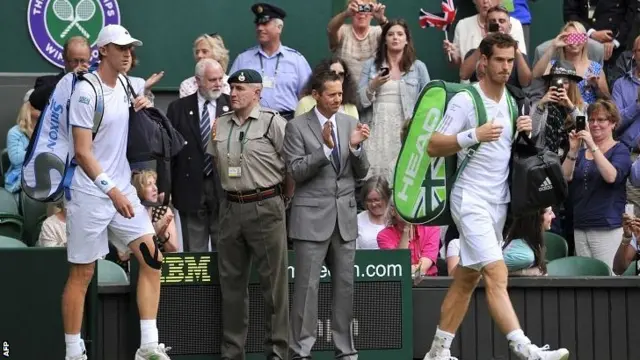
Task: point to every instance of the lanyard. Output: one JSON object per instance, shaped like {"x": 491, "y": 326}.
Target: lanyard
{"x": 277, "y": 64}
{"x": 242, "y": 141}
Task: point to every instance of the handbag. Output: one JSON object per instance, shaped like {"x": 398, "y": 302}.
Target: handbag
{"x": 537, "y": 180}
{"x": 153, "y": 138}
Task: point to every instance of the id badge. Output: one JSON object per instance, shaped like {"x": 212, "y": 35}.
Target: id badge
{"x": 235, "y": 171}
{"x": 268, "y": 82}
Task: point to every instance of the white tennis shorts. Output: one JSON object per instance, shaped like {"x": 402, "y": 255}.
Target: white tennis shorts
{"x": 480, "y": 225}
{"x": 93, "y": 221}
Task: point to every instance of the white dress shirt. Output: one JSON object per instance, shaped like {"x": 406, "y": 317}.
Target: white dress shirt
{"x": 211, "y": 107}
{"x": 327, "y": 150}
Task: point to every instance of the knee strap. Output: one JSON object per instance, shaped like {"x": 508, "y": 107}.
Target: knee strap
{"x": 152, "y": 261}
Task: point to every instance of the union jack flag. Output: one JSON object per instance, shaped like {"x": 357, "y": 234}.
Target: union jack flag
{"x": 440, "y": 20}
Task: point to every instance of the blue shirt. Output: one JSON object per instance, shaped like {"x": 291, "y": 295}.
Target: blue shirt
{"x": 597, "y": 204}
{"x": 17, "y": 143}
{"x": 290, "y": 77}
{"x": 521, "y": 11}
{"x": 625, "y": 95}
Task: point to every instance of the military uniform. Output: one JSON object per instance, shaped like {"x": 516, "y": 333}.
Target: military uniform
{"x": 252, "y": 222}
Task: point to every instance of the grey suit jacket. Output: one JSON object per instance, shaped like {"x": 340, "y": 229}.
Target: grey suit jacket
{"x": 537, "y": 88}
{"x": 322, "y": 194}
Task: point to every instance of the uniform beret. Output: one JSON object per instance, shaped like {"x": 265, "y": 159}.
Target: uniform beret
{"x": 245, "y": 76}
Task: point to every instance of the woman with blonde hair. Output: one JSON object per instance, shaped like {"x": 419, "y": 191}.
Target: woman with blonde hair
{"x": 17, "y": 141}
{"x": 208, "y": 46}
{"x": 161, "y": 216}
{"x": 571, "y": 45}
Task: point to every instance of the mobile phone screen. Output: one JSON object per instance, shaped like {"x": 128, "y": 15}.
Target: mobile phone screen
{"x": 581, "y": 123}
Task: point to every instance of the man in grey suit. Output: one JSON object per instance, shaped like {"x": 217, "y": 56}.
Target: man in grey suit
{"x": 323, "y": 223}
{"x": 537, "y": 89}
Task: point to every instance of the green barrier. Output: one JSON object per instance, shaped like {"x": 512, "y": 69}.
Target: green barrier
{"x": 31, "y": 321}
{"x": 190, "y": 306}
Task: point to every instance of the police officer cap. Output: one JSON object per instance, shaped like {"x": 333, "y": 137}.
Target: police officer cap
{"x": 267, "y": 12}
{"x": 245, "y": 76}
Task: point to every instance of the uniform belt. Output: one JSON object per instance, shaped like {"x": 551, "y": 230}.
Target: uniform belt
{"x": 288, "y": 115}
{"x": 254, "y": 195}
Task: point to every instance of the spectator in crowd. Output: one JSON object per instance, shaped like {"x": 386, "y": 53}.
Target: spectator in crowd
{"x": 521, "y": 74}
{"x": 572, "y": 47}
{"x": 471, "y": 30}
{"x": 284, "y": 71}
{"x": 339, "y": 66}
{"x": 452, "y": 255}
{"x": 524, "y": 248}
{"x": 626, "y": 95}
{"x": 141, "y": 85}
{"x": 555, "y": 114}
{"x": 207, "y": 46}
{"x": 247, "y": 145}
{"x": 376, "y": 194}
{"x": 76, "y": 54}
{"x": 54, "y": 228}
{"x": 17, "y": 141}
{"x": 389, "y": 88}
{"x": 597, "y": 173}
{"x": 422, "y": 241}
{"x": 358, "y": 41}
{"x": 161, "y": 215}
{"x": 522, "y": 13}
{"x": 628, "y": 249}
{"x": 324, "y": 214}
{"x": 196, "y": 191}
{"x": 608, "y": 22}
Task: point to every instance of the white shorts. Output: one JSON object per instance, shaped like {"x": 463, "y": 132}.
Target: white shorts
{"x": 93, "y": 221}
{"x": 480, "y": 225}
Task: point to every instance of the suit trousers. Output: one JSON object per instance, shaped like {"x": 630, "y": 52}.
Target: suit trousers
{"x": 253, "y": 231}
{"x": 339, "y": 256}
{"x": 200, "y": 228}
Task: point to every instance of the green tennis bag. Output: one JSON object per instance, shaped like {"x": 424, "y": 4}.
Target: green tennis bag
{"x": 421, "y": 184}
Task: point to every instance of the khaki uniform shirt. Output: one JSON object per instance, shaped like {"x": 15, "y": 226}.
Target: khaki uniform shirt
{"x": 257, "y": 154}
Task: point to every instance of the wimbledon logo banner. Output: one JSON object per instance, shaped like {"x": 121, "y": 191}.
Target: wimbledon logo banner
{"x": 52, "y": 22}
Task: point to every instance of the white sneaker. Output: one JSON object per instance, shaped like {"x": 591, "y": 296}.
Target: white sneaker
{"x": 79, "y": 357}
{"x": 444, "y": 355}
{"x": 532, "y": 352}
{"x": 159, "y": 353}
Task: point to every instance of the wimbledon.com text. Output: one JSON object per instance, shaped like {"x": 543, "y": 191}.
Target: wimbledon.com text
{"x": 364, "y": 271}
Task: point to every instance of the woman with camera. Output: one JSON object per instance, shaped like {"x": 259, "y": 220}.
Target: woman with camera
{"x": 597, "y": 168}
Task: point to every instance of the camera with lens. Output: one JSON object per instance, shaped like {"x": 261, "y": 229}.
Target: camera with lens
{"x": 365, "y": 8}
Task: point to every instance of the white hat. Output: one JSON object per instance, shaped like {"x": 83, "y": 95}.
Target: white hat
{"x": 116, "y": 34}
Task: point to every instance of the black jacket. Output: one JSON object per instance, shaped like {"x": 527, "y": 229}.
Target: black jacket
{"x": 614, "y": 15}
{"x": 188, "y": 166}
{"x": 42, "y": 90}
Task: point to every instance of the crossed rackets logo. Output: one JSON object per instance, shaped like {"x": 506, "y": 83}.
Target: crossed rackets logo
{"x": 84, "y": 11}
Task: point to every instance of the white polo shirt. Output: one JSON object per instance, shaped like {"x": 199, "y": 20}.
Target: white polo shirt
{"x": 486, "y": 173}
{"x": 468, "y": 35}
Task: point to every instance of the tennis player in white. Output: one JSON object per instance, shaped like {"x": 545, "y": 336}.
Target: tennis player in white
{"x": 479, "y": 201}
{"x": 103, "y": 201}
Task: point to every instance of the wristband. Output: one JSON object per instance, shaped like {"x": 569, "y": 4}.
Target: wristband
{"x": 103, "y": 182}
{"x": 467, "y": 138}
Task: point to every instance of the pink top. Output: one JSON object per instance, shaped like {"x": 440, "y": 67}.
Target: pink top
{"x": 425, "y": 244}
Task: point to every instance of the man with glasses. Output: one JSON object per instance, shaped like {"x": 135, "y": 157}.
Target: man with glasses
{"x": 76, "y": 54}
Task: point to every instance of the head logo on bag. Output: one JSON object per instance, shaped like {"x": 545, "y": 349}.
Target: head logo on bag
{"x": 47, "y": 164}
{"x": 52, "y": 22}
{"x": 422, "y": 184}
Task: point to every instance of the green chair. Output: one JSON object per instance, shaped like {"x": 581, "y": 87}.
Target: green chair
{"x": 8, "y": 203}
{"x": 110, "y": 273}
{"x": 578, "y": 266}
{"x": 556, "y": 246}
{"x": 32, "y": 213}
{"x": 11, "y": 226}
{"x": 7, "y": 242}
{"x": 4, "y": 164}
{"x": 631, "y": 270}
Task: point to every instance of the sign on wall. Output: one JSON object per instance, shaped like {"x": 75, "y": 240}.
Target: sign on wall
{"x": 52, "y": 22}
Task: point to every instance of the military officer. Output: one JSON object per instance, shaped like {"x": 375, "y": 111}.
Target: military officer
{"x": 284, "y": 70}
{"x": 247, "y": 147}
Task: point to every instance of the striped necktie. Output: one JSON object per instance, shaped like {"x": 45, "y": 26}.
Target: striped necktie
{"x": 205, "y": 132}
{"x": 335, "y": 152}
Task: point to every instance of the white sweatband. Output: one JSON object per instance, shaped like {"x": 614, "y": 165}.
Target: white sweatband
{"x": 103, "y": 182}
{"x": 467, "y": 138}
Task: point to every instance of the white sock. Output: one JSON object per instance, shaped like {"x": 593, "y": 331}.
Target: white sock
{"x": 148, "y": 334}
{"x": 518, "y": 337}
{"x": 441, "y": 341}
{"x": 75, "y": 346}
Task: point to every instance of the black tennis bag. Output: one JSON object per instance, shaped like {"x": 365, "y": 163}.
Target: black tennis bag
{"x": 537, "y": 181}
{"x": 153, "y": 138}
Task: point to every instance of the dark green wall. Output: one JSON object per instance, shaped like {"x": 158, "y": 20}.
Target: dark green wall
{"x": 168, "y": 27}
